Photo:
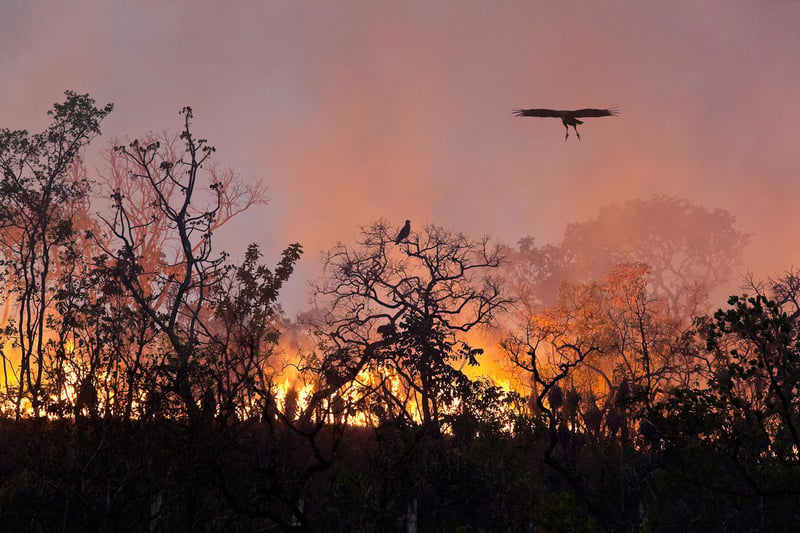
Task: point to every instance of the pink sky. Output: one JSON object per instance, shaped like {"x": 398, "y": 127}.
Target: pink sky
{"x": 352, "y": 111}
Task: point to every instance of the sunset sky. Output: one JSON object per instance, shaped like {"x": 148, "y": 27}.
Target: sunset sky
{"x": 352, "y": 111}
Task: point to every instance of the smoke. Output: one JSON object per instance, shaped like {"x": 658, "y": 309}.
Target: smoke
{"x": 365, "y": 111}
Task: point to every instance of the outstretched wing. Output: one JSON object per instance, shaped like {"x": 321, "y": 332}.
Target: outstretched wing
{"x": 537, "y": 113}
{"x": 582, "y": 113}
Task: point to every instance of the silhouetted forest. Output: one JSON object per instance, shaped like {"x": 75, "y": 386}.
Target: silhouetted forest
{"x": 438, "y": 383}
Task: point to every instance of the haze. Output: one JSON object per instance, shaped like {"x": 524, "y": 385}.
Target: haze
{"x": 354, "y": 111}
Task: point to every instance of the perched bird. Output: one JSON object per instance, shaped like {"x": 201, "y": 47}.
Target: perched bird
{"x": 403, "y": 235}
{"x": 568, "y": 118}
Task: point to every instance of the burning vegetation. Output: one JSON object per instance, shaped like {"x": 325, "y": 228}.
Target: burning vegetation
{"x": 440, "y": 382}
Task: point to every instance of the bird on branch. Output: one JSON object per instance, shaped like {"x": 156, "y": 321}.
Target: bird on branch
{"x": 403, "y": 235}
{"x": 568, "y": 118}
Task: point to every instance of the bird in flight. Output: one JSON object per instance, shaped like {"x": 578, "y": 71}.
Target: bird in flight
{"x": 568, "y": 118}
{"x": 404, "y": 232}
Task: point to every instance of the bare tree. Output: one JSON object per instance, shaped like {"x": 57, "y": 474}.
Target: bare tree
{"x": 394, "y": 315}
{"x": 159, "y": 251}
{"x": 170, "y": 273}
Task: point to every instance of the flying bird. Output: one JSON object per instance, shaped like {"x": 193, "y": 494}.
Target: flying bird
{"x": 404, "y": 232}
{"x": 568, "y": 118}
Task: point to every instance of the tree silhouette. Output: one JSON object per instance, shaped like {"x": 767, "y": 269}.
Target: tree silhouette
{"x": 598, "y": 361}
{"x": 689, "y": 250}
{"x": 736, "y": 435}
{"x": 243, "y": 341}
{"x": 172, "y": 291}
{"x": 37, "y": 193}
{"x": 399, "y": 316}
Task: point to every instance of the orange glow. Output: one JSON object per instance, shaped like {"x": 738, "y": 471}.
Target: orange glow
{"x": 404, "y": 111}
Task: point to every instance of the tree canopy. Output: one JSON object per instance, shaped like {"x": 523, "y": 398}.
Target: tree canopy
{"x": 151, "y": 382}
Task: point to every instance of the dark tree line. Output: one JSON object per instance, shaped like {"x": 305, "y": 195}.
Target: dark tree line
{"x": 146, "y": 386}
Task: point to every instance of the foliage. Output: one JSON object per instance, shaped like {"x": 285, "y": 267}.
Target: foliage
{"x": 736, "y": 435}
{"x": 246, "y": 331}
{"x": 41, "y": 194}
{"x": 145, "y": 396}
